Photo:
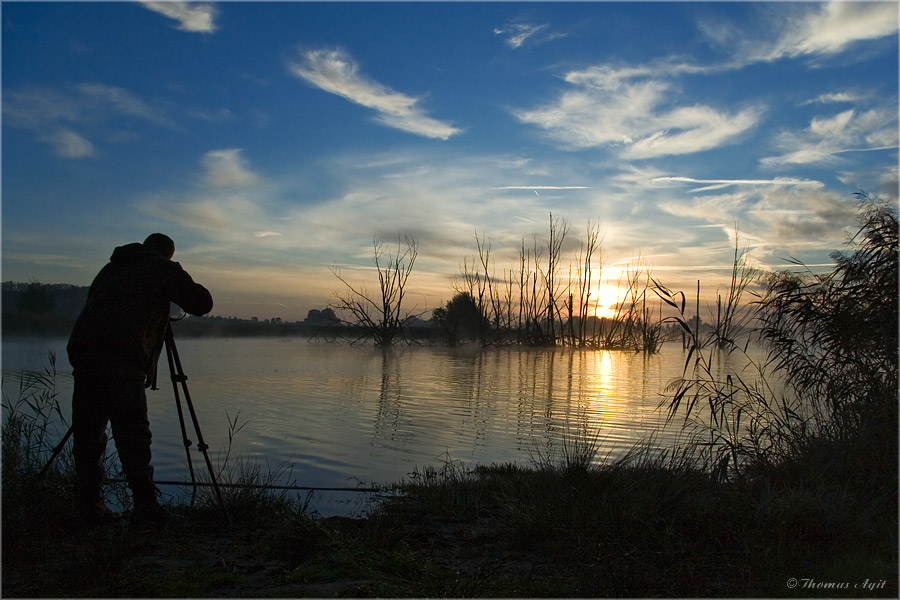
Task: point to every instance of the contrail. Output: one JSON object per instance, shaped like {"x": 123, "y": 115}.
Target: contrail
{"x": 542, "y": 187}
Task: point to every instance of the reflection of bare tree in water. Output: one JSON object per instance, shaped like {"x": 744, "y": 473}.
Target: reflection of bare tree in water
{"x": 389, "y": 417}
{"x": 403, "y": 412}
{"x": 467, "y": 398}
{"x": 535, "y": 394}
{"x": 472, "y": 382}
{"x": 553, "y": 412}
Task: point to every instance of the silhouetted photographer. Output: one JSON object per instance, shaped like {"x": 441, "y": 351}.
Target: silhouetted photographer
{"x": 114, "y": 350}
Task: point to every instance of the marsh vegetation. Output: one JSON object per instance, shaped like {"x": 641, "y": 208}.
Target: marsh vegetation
{"x": 536, "y": 301}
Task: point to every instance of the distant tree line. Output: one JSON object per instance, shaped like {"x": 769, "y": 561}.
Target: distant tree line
{"x": 35, "y": 308}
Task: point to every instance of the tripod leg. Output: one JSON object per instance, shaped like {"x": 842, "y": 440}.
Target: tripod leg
{"x": 177, "y": 378}
{"x": 56, "y": 452}
{"x": 201, "y": 445}
{"x": 203, "y": 448}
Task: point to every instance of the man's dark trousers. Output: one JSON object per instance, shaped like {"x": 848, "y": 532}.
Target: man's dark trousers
{"x": 116, "y": 396}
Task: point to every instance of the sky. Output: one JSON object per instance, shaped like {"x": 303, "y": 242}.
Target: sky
{"x": 275, "y": 142}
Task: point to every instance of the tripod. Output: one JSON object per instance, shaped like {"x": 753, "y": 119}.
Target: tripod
{"x": 178, "y": 377}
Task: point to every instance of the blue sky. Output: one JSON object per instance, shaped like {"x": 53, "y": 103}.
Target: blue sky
{"x": 274, "y": 141}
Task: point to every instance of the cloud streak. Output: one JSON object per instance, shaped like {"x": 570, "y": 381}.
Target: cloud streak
{"x": 336, "y": 72}
{"x": 516, "y": 35}
{"x": 827, "y": 137}
{"x": 542, "y": 187}
{"x": 629, "y": 110}
{"x": 193, "y": 17}
{"x": 806, "y": 30}
{"x": 715, "y": 184}
{"x": 789, "y": 219}
{"x": 227, "y": 169}
{"x": 66, "y": 118}
{"x": 68, "y": 144}
{"x": 833, "y": 27}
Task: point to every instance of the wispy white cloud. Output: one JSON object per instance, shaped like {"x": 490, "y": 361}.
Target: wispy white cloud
{"x": 882, "y": 180}
{"x": 203, "y": 213}
{"x": 836, "y": 98}
{"x": 683, "y": 231}
{"x": 630, "y": 109}
{"x": 227, "y": 168}
{"x": 114, "y": 99}
{"x": 337, "y": 72}
{"x": 806, "y": 29}
{"x": 33, "y": 106}
{"x": 67, "y": 118}
{"x": 194, "y": 17}
{"x": 69, "y": 144}
{"x": 833, "y": 27}
{"x": 691, "y": 129}
{"x": 229, "y": 201}
{"x": 827, "y": 138}
{"x": 517, "y": 34}
{"x": 715, "y": 184}
{"x": 783, "y": 218}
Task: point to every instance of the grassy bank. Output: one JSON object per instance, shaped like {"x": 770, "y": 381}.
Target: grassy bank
{"x": 638, "y": 528}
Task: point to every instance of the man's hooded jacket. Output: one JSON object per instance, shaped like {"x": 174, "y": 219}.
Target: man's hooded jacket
{"x": 123, "y": 324}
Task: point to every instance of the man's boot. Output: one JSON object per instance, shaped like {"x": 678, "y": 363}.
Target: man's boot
{"x": 91, "y": 508}
{"x": 87, "y": 449}
{"x": 148, "y": 514}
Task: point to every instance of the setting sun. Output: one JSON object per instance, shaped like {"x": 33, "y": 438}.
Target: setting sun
{"x": 604, "y": 300}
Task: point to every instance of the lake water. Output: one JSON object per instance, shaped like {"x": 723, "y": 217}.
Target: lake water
{"x": 336, "y": 415}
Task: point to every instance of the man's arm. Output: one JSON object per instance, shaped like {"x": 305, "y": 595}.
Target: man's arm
{"x": 190, "y": 296}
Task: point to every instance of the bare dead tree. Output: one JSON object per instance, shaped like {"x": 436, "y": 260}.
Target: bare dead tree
{"x": 493, "y": 309}
{"x": 584, "y": 283}
{"x": 379, "y": 315}
{"x": 531, "y": 297}
{"x": 630, "y": 325}
{"x": 558, "y": 230}
{"x": 493, "y": 296}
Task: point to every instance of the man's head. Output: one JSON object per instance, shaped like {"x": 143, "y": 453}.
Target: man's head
{"x": 161, "y": 244}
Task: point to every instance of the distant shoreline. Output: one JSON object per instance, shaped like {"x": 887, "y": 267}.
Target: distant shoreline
{"x": 17, "y": 324}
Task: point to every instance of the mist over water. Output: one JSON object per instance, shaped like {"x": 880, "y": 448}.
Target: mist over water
{"x": 335, "y": 415}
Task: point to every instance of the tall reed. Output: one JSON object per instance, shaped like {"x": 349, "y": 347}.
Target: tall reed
{"x": 32, "y": 420}
{"x": 731, "y": 316}
{"x": 831, "y": 369}
{"x": 39, "y": 483}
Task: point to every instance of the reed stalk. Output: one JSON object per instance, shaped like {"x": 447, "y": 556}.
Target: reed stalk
{"x": 831, "y": 369}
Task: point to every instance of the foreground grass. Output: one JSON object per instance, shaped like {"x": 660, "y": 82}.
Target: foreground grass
{"x": 637, "y": 528}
